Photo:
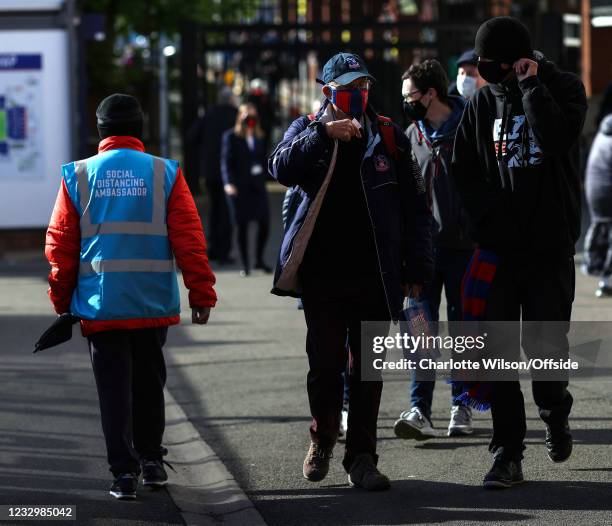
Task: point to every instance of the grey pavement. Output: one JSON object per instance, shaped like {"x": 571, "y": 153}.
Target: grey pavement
{"x": 239, "y": 383}
{"x": 51, "y": 446}
{"x": 242, "y": 383}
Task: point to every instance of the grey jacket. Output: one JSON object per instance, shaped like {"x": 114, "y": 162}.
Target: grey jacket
{"x": 599, "y": 173}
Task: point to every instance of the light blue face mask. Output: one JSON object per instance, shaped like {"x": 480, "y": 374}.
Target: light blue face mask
{"x": 466, "y": 86}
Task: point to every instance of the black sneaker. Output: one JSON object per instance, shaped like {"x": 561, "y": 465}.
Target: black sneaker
{"x": 364, "y": 474}
{"x": 262, "y": 266}
{"x": 154, "y": 474}
{"x": 559, "y": 442}
{"x": 504, "y": 474}
{"x": 124, "y": 486}
{"x": 603, "y": 292}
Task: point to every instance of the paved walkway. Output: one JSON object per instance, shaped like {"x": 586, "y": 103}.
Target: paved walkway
{"x": 242, "y": 383}
{"x": 239, "y": 383}
{"x": 51, "y": 446}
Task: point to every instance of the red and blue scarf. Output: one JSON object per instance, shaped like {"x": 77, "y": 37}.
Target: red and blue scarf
{"x": 474, "y": 292}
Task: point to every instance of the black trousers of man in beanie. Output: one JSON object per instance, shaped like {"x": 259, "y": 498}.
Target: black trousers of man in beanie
{"x": 130, "y": 374}
{"x": 543, "y": 295}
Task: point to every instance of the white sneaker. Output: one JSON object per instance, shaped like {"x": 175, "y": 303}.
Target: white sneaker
{"x": 460, "y": 421}
{"x": 343, "y": 423}
{"x": 413, "y": 424}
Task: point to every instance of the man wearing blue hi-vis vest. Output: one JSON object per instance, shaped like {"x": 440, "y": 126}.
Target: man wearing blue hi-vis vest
{"x": 121, "y": 220}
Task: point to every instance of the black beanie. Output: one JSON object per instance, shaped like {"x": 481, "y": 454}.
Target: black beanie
{"x": 119, "y": 114}
{"x": 504, "y": 39}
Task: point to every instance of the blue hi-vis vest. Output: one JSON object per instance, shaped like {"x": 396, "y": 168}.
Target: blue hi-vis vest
{"x": 127, "y": 267}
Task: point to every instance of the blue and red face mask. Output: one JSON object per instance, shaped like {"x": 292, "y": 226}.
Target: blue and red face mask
{"x": 352, "y": 101}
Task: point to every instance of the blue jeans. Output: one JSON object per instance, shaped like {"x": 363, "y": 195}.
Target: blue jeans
{"x": 449, "y": 268}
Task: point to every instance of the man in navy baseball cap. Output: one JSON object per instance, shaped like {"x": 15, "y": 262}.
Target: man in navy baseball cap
{"x": 346, "y": 83}
{"x": 359, "y": 241}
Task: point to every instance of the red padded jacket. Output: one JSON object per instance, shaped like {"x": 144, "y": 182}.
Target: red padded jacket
{"x": 63, "y": 245}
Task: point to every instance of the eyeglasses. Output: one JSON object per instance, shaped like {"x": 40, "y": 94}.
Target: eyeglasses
{"x": 409, "y": 95}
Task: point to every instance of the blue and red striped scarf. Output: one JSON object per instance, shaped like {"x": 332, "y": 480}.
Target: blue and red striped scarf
{"x": 474, "y": 292}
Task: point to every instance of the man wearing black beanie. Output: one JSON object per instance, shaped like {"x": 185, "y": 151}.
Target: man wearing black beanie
{"x": 123, "y": 220}
{"x": 119, "y": 115}
{"x": 513, "y": 163}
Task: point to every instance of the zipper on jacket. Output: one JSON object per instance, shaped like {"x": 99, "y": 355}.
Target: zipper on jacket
{"x": 375, "y": 241}
{"x": 504, "y": 174}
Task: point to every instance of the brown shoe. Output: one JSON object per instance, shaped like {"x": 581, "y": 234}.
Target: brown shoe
{"x": 364, "y": 474}
{"x": 316, "y": 463}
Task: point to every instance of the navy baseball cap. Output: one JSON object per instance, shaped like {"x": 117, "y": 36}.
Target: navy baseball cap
{"x": 468, "y": 57}
{"x": 344, "y": 68}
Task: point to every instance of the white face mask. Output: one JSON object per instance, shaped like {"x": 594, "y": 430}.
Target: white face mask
{"x": 466, "y": 86}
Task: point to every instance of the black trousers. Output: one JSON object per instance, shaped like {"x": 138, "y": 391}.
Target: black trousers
{"x": 536, "y": 291}
{"x": 263, "y": 229}
{"x": 333, "y": 311}
{"x": 130, "y": 376}
{"x": 220, "y": 230}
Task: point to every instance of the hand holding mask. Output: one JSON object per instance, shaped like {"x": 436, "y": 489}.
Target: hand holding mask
{"x": 344, "y": 130}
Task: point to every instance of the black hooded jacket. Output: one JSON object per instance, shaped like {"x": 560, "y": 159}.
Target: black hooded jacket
{"x": 521, "y": 188}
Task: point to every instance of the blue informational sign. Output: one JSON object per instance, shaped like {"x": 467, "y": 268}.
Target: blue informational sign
{"x": 11, "y": 61}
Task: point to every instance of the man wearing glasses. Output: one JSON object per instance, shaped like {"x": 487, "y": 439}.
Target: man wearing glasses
{"x": 435, "y": 116}
{"x": 359, "y": 241}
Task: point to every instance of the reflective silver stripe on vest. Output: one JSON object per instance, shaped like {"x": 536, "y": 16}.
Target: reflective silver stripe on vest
{"x": 83, "y": 187}
{"x": 126, "y": 265}
{"x": 157, "y": 227}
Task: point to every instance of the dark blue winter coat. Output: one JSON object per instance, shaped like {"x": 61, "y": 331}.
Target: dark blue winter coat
{"x": 394, "y": 192}
{"x": 245, "y": 169}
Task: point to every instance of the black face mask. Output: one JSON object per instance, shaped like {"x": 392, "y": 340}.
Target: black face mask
{"x": 415, "y": 110}
{"x": 492, "y": 72}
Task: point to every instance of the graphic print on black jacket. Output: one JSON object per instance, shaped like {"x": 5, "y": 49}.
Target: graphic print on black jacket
{"x": 521, "y": 187}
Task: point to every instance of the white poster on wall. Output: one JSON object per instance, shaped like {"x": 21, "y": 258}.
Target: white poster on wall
{"x": 21, "y": 140}
{"x": 34, "y": 124}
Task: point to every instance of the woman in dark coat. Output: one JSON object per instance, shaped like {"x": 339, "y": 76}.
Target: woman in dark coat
{"x": 598, "y": 242}
{"x": 243, "y": 162}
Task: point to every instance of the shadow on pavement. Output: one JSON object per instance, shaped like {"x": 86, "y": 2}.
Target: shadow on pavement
{"x": 419, "y": 501}
{"x": 263, "y": 452}
{"x": 51, "y": 446}
{"x": 481, "y": 439}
